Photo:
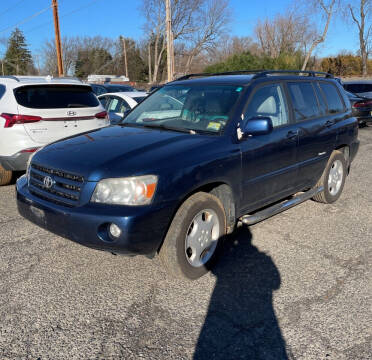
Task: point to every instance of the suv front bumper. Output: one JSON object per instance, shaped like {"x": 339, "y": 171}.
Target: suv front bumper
{"x": 143, "y": 228}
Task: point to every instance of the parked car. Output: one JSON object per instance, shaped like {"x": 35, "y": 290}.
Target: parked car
{"x": 361, "y": 88}
{"x": 119, "y": 104}
{"x": 100, "y": 89}
{"x": 241, "y": 149}
{"x": 362, "y": 108}
{"x": 35, "y": 111}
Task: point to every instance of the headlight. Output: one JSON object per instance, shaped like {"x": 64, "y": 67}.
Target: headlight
{"x": 137, "y": 190}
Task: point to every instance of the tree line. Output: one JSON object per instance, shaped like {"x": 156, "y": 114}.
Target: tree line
{"x": 202, "y": 43}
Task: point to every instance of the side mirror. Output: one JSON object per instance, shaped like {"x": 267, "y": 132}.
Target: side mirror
{"x": 258, "y": 126}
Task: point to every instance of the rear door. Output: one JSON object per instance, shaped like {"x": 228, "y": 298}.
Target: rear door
{"x": 65, "y": 110}
{"x": 316, "y": 129}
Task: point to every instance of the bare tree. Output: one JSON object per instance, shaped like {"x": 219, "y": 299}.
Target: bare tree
{"x": 71, "y": 46}
{"x": 285, "y": 34}
{"x": 191, "y": 24}
{"x": 327, "y": 7}
{"x": 361, "y": 13}
{"x": 210, "y": 25}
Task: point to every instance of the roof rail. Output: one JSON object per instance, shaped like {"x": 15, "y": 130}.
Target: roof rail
{"x": 308, "y": 72}
{"x": 9, "y": 77}
{"x": 258, "y": 73}
{"x": 237, "y": 72}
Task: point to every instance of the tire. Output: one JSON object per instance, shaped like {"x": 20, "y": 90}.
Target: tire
{"x": 5, "y": 176}
{"x": 201, "y": 218}
{"x": 362, "y": 124}
{"x": 333, "y": 179}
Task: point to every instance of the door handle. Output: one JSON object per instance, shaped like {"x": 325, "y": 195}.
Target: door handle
{"x": 292, "y": 134}
{"x": 329, "y": 123}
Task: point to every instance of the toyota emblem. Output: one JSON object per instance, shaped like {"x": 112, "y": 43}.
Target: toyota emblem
{"x": 48, "y": 182}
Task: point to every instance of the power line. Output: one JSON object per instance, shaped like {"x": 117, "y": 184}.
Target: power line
{"x": 12, "y": 7}
{"x": 63, "y": 15}
{"x": 26, "y": 19}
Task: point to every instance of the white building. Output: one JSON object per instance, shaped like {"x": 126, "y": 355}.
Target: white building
{"x": 106, "y": 78}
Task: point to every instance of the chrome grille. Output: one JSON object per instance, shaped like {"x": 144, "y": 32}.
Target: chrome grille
{"x": 65, "y": 189}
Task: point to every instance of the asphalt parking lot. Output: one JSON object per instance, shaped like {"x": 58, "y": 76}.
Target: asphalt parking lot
{"x": 297, "y": 286}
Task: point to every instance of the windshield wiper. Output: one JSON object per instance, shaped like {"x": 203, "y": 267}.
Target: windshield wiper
{"x": 166, "y": 127}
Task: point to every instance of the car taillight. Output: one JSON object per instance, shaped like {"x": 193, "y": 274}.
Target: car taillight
{"x": 12, "y": 119}
{"x": 363, "y": 103}
{"x": 32, "y": 150}
{"x": 101, "y": 115}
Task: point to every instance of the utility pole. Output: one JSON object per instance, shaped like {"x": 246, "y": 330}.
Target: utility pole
{"x": 58, "y": 37}
{"x": 125, "y": 56}
{"x": 150, "y": 65}
{"x": 170, "y": 54}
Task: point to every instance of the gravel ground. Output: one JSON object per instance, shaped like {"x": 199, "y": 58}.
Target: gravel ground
{"x": 296, "y": 286}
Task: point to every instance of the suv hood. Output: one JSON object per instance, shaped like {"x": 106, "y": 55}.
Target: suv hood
{"x": 122, "y": 151}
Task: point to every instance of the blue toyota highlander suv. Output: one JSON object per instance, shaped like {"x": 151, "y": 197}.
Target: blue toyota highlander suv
{"x": 195, "y": 158}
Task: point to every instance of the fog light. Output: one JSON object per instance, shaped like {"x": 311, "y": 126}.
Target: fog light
{"x": 115, "y": 231}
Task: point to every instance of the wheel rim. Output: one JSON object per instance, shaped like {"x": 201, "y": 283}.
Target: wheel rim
{"x": 202, "y": 237}
{"x": 335, "y": 177}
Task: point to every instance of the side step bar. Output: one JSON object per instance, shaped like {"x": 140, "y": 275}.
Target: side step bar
{"x": 278, "y": 208}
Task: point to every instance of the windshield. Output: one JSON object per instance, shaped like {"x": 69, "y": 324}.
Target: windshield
{"x": 187, "y": 108}
{"x": 358, "y": 88}
{"x": 119, "y": 88}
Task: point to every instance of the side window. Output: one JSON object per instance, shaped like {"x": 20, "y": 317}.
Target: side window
{"x": 304, "y": 101}
{"x": 103, "y": 100}
{"x": 114, "y": 105}
{"x": 321, "y": 98}
{"x": 124, "y": 106}
{"x": 335, "y": 104}
{"x": 2, "y": 91}
{"x": 269, "y": 101}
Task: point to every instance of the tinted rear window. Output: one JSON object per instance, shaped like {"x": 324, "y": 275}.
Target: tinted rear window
{"x": 55, "y": 96}
{"x": 335, "y": 104}
{"x": 304, "y": 100}
{"x": 119, "y": 88}
{"x": 139, "y": 98}
{"x": 358, "y": 88}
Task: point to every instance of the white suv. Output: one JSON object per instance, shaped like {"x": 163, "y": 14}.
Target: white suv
{"x": 35, "y": 111}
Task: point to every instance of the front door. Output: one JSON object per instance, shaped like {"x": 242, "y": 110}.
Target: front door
{"x": 269, "y": 161}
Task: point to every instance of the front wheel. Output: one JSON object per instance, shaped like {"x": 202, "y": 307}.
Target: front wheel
{"x": 192, "y": 240}
{"x": 333, "y": 179}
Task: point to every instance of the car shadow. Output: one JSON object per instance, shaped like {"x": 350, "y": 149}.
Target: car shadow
{"x": 241, "y": 322}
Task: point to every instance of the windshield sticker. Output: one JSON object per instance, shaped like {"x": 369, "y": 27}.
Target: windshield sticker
{"x": 214, "y": 126}
{"x": 239, "y": 89}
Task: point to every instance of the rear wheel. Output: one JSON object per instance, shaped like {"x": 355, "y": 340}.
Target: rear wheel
{"x": 192, "y": 240}
{"x": 5, "y": 176}
{"x": 333, "y": 179}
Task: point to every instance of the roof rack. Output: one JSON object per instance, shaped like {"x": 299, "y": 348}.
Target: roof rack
{"x": 308, "y": 72}
{"x": 33, "y": 78}
{"x": 258, "y": 73}
{"x": 9, "y": 77}
{"x": 237, "y": 72}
